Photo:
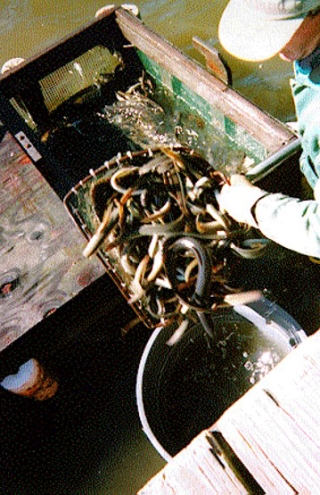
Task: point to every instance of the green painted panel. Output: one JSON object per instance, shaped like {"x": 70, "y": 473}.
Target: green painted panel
{"x": 202, "y": 116}
{"x": 244, "y": 140}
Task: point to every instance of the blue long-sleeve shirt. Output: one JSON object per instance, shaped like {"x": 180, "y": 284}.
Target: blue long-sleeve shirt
{"x": 291, "y": 222}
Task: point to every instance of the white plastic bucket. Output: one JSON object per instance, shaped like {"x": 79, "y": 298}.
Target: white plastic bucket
{"x": 184, "y": 388}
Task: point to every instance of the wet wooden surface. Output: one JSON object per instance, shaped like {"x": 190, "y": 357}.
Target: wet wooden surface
{"x": 268, "y": 442}
{"x": 41, "y": 262}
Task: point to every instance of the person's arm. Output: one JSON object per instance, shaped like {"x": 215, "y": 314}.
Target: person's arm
{"x": 290, "y": 222}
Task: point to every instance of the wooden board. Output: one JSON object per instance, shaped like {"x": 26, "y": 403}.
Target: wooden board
{"x": 41, "y": 262}
{"x": 201, "y": 468}
{"x": 268, "y": 442}
{"x": 275, "y": 430}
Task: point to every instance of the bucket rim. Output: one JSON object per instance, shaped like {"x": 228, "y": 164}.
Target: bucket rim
{"x": 256, "y": 314}
{"x": 139, "y": 397}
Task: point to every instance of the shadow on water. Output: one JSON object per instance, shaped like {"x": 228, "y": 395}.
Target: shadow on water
{"x": 74, "y": 443}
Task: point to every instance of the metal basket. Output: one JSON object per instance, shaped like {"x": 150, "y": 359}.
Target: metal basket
{"x": 86, "y": 204}
{"x": 153, "y": 218}
{"x": 81, "y": 208}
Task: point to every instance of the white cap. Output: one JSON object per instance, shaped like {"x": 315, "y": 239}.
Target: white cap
{"x": 257, "y": 30}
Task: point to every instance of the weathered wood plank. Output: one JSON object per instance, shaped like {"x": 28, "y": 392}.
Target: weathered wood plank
{"x": 277, "y": 423}
{"x": 201, "y": 468}
{"x": 41, "y": 263}
{"x": 273, "y": 432}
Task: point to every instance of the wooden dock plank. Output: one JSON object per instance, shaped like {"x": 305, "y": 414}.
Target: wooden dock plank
{"x": 196, "y": 470}
{"x": 273, "y": 431}
{"x": 41, "y": 263}
{"x": 278, "y": 419}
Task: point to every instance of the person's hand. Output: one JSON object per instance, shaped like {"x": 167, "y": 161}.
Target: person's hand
{"x": 238, "y": 198}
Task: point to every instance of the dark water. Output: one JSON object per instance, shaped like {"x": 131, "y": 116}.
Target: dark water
{"x": 88, "y": 440}
{"x": 196, "y": 380}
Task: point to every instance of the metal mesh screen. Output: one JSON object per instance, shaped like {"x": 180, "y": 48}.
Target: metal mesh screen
{"x": 84, "y": 71}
